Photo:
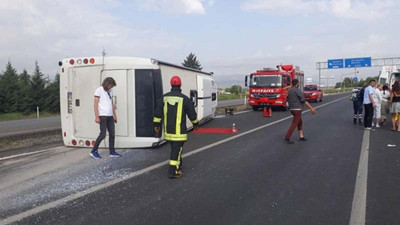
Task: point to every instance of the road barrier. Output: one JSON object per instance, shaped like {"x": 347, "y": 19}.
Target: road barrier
{"x": 30, "y": 138}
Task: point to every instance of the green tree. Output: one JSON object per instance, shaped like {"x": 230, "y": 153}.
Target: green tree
{"x": 9, "y": 90}
{"x": 24, "y": 79}
{"x": 236, "y": 89}
{"x": 52, "y": 103}
{"x": 38, "y": 89}
{"x": 26, "y": 102}
{"x": 192, "y": 62}
{"x": 1, "y": 97}
{"x": 347, "y": 82}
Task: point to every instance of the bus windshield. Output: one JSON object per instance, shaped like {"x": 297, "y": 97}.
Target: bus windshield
{"x": 266, "y": 81}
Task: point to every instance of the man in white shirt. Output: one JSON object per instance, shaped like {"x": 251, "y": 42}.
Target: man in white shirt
{"x": 369, "y": 104}
{"x": 105, "y": 115}
{"x": 377, "y": 101}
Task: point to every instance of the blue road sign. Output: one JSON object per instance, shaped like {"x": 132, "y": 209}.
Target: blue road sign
{"x": 358, "y": 62}
{"x": 335, "y": 63}
{"x": 355, "y": 79}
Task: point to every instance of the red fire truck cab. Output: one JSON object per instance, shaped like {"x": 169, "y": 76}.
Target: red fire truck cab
{"x": 269, "y": 87}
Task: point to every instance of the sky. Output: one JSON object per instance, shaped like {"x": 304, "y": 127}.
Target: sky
{"x": 230, "y": 38}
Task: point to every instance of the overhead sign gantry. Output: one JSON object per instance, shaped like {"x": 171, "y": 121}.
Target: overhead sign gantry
{"x": 356, "y": 63}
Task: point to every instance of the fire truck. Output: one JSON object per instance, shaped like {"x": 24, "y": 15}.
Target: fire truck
{"x": 269, "y": 87}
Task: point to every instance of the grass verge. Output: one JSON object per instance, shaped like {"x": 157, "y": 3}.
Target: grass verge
{"x": 21, "y": 116}
{"x": 30, "y": 139}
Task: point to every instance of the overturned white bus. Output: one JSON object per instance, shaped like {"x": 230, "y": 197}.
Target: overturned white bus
{"x": 140, "y": 82}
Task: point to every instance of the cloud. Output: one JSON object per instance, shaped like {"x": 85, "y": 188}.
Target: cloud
{"x": 352, "y": 9}
{"x": 289, "y": 48}
{"x": 191, "y": 7}
{"x": 49, "y": 30}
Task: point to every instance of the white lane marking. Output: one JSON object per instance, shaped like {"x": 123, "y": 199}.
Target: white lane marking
{"x": 31, "y": 153}
{"x": 359, "y": 207}
{"x": 75, "y": 196}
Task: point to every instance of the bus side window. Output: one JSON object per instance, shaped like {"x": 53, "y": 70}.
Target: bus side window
{"x": 213, "y": 96}
{"x": 193, "y": 97}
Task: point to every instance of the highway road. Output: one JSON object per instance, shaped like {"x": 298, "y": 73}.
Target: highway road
{"x": 342, "y": 174}
{"x": 29, "y": 125}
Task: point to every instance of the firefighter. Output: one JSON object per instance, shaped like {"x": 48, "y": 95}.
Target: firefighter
{"x": 173, "y": 108}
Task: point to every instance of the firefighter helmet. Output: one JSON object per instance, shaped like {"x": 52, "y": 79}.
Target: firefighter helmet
{"x": 176, "y": 81}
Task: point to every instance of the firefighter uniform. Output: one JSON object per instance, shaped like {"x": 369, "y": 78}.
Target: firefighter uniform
{"x": 172, "y": 110}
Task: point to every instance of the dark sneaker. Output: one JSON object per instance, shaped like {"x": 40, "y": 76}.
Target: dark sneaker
{"x": 177, "y": 174}
{"x": 303, "y": 139}
{"x": 114, "y": 155}
{"x": 95, "y": 155}
{"x": 288, "y": 141}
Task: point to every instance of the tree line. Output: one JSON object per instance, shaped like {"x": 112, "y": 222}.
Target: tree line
{"x": 24, "y": 92}
{"x": 348, "y": 82}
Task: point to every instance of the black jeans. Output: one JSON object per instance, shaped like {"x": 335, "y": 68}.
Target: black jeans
{"x": 106, "y": 123}
{"x": 369, "y": 113}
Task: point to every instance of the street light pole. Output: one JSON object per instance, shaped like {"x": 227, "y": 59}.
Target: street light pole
{"x": 319, "y": 73}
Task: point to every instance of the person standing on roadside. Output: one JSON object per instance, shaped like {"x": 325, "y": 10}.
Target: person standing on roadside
{"x": 105, "y": 115}
{"x": 369, "y": 104}
{"x": 296, "y": 100}
{"x": 378, "y": 105}
{"x": 394, "y": 104}
{"x": 384, "y": 106}
{"x": 360, "y": 99}
{"x": 357, "y": 107}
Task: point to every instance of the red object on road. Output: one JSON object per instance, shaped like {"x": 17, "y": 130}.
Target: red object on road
{"x": 214, "y": 130}
{"x": 269, "y": 112}
{"x": 265, "y": 112}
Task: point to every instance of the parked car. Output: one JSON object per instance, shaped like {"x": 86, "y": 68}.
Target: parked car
{"x": 313, "y": 93}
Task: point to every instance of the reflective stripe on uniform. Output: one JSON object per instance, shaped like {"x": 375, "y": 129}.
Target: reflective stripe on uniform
{"x": 157, "y": 120}
{"x": 174, "y": 162}
{"x": 179, "y": 117}
{"x": 195, "y": 121}
{"x": 180, "y": 154}
{"x": 173, "y": 100}
{"x": 165, "y": 114}
{"x": 175, "y": 137}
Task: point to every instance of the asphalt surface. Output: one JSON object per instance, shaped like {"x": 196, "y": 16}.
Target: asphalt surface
{"x": 251, "y": 177}
{"x": 28, "y": 125}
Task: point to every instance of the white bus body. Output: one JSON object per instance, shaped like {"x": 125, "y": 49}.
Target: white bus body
{"x": 140, "y": 82}
{"x": 388, "y": 75}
